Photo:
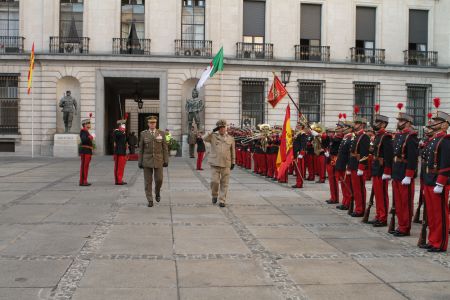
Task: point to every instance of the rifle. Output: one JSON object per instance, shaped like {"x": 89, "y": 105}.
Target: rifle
{"x": 392, "y": 212}
{"x": 367, "y": 212}
{"x": 423, "y": 232}
{"x": 416, "y": 218}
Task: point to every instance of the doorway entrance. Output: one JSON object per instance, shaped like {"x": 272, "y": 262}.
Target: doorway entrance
{"x": 123, "y": 96}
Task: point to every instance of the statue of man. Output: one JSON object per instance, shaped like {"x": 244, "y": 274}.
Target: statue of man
{"x": 193, "y": 107}
{"x": 69, "y": 108}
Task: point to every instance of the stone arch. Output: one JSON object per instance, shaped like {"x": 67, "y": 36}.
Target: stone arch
{"x": 186, "y": 93}
{"x": 68, "y": 83}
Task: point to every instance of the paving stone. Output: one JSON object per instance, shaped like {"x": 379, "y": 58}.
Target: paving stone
{"x": 365, "y": 245}
{"x": 50, "y": 239}
{"x": 138, "y": 239}
{"x": 330, "y": 271}
{"x": 125, "y": 293}
{"x": 230, "y": 293}
{"x": 220, "y": 273}
{"x": 80, "y": 213}
{"x": 406, "y": 269}
{"x": 343, "y": 232}
{"x": 205, "y": 232}
{"x": 210, "y": 245}
{"x": 289, "y": 232}
{"x": 129, "y": 274}
{"x": 425, "y": 290}
{"x": 17, "y": 274}
{"x": 277, "y": 219}
{"x": 24, "y": 293}
{"x": 298, "y": 246}
{"x": 27, "y": 213}
{"x": 351, "y": 292}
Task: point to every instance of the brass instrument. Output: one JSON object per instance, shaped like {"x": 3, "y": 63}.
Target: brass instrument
{"x": 317, "y": 141}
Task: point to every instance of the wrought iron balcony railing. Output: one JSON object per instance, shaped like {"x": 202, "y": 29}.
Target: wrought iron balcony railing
{"x": 421, "y": 58}
{"x": 9, "y": 116}
{"x": 69, "y": 45}
{"x": 11, "y": 44}
{"x": 131, "y": 46}
{"x": 368, "y": 56}
{"x": 312, "y": 53}
{"x": 254, "y": 51}
{"x": 193, "y": 48}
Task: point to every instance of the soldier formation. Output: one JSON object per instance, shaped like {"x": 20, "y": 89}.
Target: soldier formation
{"x": 352, "y": 154}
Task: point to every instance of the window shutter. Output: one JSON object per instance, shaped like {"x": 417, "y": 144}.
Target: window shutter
{"x": 311, "y": 21}
{"x": 254, "y": 18}
{"x": 418, "y": 26}
{"x": 365, "y": 23}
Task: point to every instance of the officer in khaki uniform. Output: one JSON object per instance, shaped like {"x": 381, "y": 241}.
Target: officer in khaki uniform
{"x": 153, "y": 156}
{"x": 222, "y": 159}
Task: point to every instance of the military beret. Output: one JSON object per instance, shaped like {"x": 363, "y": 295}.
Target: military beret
{"x": 152, "y": 119}
{"x": 221, "y": 123}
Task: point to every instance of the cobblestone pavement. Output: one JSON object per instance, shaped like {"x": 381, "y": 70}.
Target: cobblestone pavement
{"x": 62, "y": 241}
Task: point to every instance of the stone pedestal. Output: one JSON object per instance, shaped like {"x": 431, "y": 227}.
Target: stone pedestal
{"x": 184, "y": 145}
{"x": 66, "y": 145}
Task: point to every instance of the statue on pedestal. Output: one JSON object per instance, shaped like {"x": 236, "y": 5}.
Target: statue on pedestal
{"x": 69, "y": 108}
{"x": 194, "y": 107}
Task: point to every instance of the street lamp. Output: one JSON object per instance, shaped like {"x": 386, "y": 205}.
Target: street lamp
{"x": 285, "y": 77}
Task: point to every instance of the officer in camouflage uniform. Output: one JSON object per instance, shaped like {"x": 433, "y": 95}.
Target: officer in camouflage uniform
{"x": 153, "y": 156}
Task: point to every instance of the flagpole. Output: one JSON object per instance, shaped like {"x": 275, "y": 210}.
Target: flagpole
{"x": 32, "y": 121}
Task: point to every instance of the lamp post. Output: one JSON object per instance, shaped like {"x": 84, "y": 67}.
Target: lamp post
{"x": 285, "y": 77}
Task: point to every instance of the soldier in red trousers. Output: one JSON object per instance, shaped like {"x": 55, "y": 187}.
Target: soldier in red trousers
{"x": 357, "y": 164}
{"x": 404, "y": 172}
{"x": 120, "y": 152}
{"x": 381, "y": 168}
{"x": 331, "y": 155}
{"x": 299, "y": 147}
{"x": 437, "y": 183}
{"x": 85, "y": 151}
{"x": 341, "y": 164}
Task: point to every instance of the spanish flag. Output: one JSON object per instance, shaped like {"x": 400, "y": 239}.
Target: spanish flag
{"x": 285, "y": 152}
{"x": 30, "y": 70}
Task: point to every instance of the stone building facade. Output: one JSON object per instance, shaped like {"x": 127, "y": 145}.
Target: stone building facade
{"x": 111, "y": 53}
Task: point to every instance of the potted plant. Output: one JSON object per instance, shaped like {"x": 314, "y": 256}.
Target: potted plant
{"x": 173, "y": 147}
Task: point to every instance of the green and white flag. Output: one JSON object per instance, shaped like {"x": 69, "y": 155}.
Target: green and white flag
{"x": 214, "y": 66}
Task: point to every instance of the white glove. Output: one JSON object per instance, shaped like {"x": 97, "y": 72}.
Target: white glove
{"x": 314, "y": 133}
{"x": 360, "y": 173}
{"x": 300, "y": 156}
{"x": 327, "y": 154}
{"x": 93, "y": 135}
{"x": 386, "y": 177}
{"x": 348, "y": 172}
{"x": 438, "y": 188}
{"x": 406, "y": 180}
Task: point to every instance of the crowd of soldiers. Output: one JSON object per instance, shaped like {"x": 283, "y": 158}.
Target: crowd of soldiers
{"x": 352, "y": 155}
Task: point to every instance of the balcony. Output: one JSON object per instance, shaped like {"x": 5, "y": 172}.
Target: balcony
{"x": 193, "y": 48}
{"x": 421, "y": 58}
{"x": 11, "y": 44}
{"x": 131, "y": 46}
{"x": 254, "y": 51}
{"x": 69, "y": 45}
{"x": 312, "y": 53}
{"x": 368, "y": 56}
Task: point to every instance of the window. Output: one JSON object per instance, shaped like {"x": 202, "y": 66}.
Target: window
{"x": 193, "y": 20}
{"x": 311, "y": 99}
{"x": 253, "y": 102}
{"x": 71, "y": 19}
{"x": 366, "y": 96}
{"x": 9, "y": 119}
{"x": 418, "y": 30}
{"x": 365, "y": 27}
{"x": 9, "y": 17}
{"x": 417, "y": 102}
{"x": 310, "y": 25}
{"x": 133, "y": 13}
{"x": 254, "y": 21}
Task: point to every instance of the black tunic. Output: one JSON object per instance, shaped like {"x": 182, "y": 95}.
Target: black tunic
{"x": 359, "y": 151}
{"x": 120, "y": 142}
{"x": 406, "y": 153}
{"x": 437, "y": 160}
{"x": 200, "y": 145}
{"x": 86, "y": 142}
{"x": 382, "y": 154}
